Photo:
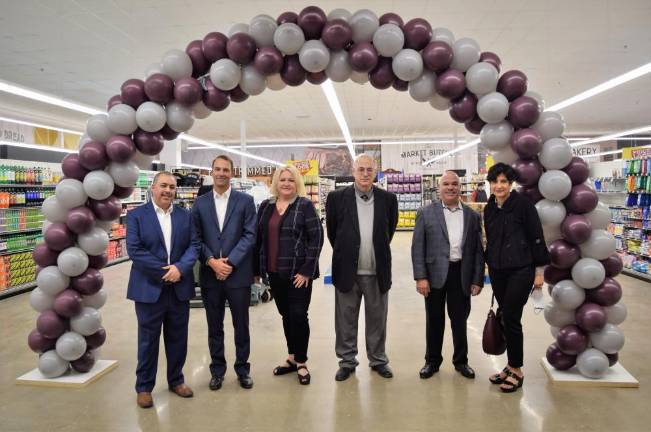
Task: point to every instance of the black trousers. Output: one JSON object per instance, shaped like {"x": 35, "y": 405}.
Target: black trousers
{"x": 458, "y": 311}
{"x": 512, "y": 288}
{"x": 239, "y": 299}
{"x": 292, "y": 304}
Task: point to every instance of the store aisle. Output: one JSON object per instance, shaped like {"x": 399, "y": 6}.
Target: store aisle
{"x": 365, "y": 402}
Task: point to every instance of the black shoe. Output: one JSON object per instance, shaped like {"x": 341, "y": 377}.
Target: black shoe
{"x": 216, "y": 382}
{"x": 246, "y": 382}
{"x": 428, "y": 370}
{"x": 383, "y": 370}
{"x": 465, "y": 370}
{"x": 344, "y": 373}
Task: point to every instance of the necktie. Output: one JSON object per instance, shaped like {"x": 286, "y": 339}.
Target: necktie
{"x": 365, "y": 197}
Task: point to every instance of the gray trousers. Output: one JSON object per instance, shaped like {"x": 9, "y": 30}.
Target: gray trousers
{"x": 347, "y": 316}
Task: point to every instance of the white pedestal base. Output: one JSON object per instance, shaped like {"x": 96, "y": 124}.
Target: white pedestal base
{"x": 71, "y": 379}
{"x": 616, "y": 376}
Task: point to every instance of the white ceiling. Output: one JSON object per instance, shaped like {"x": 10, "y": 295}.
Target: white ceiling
{"x": 83, "y": 50}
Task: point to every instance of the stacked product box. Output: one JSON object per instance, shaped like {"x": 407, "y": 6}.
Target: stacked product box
{"x": 116, "y": 249}
{"x": 16, "y": 269}
{"x": 408, "y": 190}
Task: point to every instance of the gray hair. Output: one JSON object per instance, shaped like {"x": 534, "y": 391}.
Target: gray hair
{"x": 365, "y": 156}
{"x": 160, "y": 173}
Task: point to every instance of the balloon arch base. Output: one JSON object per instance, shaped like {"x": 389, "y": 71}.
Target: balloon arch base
{"x": 71, "y": 379}
{"x": 615, "y": 376}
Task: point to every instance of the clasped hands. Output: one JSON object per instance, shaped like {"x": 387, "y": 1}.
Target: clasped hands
{"x": 173, "y": 274}
{"x": 221, "y": 268}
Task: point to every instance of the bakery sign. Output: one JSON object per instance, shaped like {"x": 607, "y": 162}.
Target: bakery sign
{"x": 586, "y": 150}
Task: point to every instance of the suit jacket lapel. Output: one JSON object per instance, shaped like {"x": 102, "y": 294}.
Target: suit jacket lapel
{"x": 351, "y": 206}
{"x": 213, "y": 210}
{"x": 154, "y": 216}
{"x": 466, "y": 223}
{"x": 378, "y": 209}
{"x": 176, "y": 215}
{"x": 440, "y": 217}
{"x": 232, "y": 202}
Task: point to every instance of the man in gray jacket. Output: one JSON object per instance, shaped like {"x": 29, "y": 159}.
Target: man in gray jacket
{"x": 448, "y": 262}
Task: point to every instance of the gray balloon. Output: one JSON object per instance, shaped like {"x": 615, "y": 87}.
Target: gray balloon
{"x": 51, "y": 365}
{"x": 439, "y": 102}
{"x": 608, "y": 340}
{"x": 496, "y": 136}
{"x": 73, "y": 261}
{"x": 407, "y": 64}
{"x": 592, "y": 363}
{"x": 340, "y": 14}
{"x": 481, "y": 78}
{"x": 588, "y": 273}
{"x": 423, "y": 88}
{"x": 554, "y": 185}
{"x": 46, "y": 225}
{"x": 558, "y": 317}
{"x": 179, "y": 117}
{"x": 252, "y": 82}
{"x": 339, "y": 69}
{"x": 554, "y": 331}
{"x": 154, "y": 68}
{"x": 556, "y": 153}
{"x": 552, "y": 233}
{"x": 105, "y": 225}
{"x": 238, "y": 28}
{"x": 150, "y": 116}
{"x": 97, "y": 128}
{"x": 40, "y": 301}
{"x": 262, "y": 29}
{"x": 567, "y": 295}
{"x": 600, "y": 245}
{"x": 505, "y": 155}
{"x": 550, "y": 125}
{"x": 52, "y": 281}
{"x": 53, "y": 210}
{"x": 388, "y": 40}
{"x": 275, "y": 82}
{"x": 93, "y": 242}
{"x": 551, "y": 213}
{"x": 70, "y": 193}
{"x": 466, "y": 53}
{"x": 493, "y": 107}
{"x": 87, "y": 322}
{"x": 176, "y": 64}
{"x": 314, "y": 56}
{"x": 83, "y": 140}
{"x": 95, "y": 301}
{"x": 444, "y": 35}
{"x": 142, "y": 160}
{"x": 616, "y": 314}
{"x": 122, "y": 119}
{"x": 359, "y": 77}
{"x": 70, "y": 346}
{"x": 288, "y": 38}
{"x": 98, "y": 185}
{"x": 364, "y": 24}
{"x": 225, "y": 74}
{"x": 200, "y": 110}
{"x": 600, "y": 216}
{"x": 124, "y": 174}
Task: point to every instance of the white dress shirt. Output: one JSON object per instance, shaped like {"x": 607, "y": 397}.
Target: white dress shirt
{"x": 221, "y": 204}
{"x": 165, "y": 221}
{"x": 454, "y": 222}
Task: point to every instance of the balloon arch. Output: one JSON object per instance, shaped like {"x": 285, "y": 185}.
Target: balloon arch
{"x": 450, "y": 74}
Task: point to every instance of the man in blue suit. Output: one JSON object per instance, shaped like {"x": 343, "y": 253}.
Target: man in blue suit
{"x": 163, "y": 247}
{"x": 226, "y": 225}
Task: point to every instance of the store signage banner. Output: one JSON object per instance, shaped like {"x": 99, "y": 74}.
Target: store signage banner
{"x": 16, "y": 132}
{"x": 586, "y": 150}
{"x": 636, "y": 152}
{"x": 305, "y": 167}
{"x": 409, "y": 159}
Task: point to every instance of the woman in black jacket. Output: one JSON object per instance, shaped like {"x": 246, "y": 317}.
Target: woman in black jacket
{"x": 288, "y": 245}
{"x": 515, "y": 246}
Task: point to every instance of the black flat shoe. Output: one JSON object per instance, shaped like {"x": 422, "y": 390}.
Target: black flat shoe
{"x": 465, "y": 370}
{"x": 246, "y": 382}
{"x": 344, "y": 373}
{"x": 284, "y": 370}
{"x": 428, "y": 370}
{"x": 383, "y": 370}
{"x": 216, "y": 382}
{"x": 511, "y": 386}
{"x": 303, "y": 379}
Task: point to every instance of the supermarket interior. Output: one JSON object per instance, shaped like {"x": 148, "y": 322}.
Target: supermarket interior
{"x": 98, "y": 97}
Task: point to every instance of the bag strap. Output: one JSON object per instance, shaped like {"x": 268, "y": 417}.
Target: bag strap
{"x": 492, "y": 300}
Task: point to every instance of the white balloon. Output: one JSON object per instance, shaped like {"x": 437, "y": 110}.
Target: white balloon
{"x": 592, "y": 363}
{"x": 142, "y": 160}
{"x": 423, "y": 88}
{"x": 51, "y": 281}
{"x": 53, "y": 210}
{"x": 275, "y": 82}
{"x": 314, "y": 56}
{"x": 47, "y": 223}
{"x": 179, "y": 117}
{"x": 73, "y": 261}
{"x": 493, "y": 107}
{"x": 588, "y": 273}
{"x": 388, "y": 40}
{"x": 555, "y": 185}
{"x": 444, "y": 35}
{"x": 339, "y": 14}
{"x": 70, "y": 346}
{"x": 40, "y": 301}
{"x": 200, "y": 110}
{"x": 154, "y": 68}
{"x": 176, "y": 64}
{"x": 552, "y": 233}
{"x": 97, "y": 128}
{"x": 600, "y": 245}
{"x": 550, "y": 125}
{"x": 87, "y": 322}
{"x": 364, "y": 24}
{"x": 51, "y": 365}
{"x": 439, "y": 102}
{"x": 238, "y": 28}
{"x": 556, "y": 316}
{"x": 96, "y": 301}
{"x": 538, "y": 97}
{"x": 84, "y": 140}
{"x": 616, "y": 314}
{"x": 599, "y": 217}
{"x": 556, "y": 153}
{"x": 481, "y": 78}
{"x": 70, "y": 193}
{"x": 150, "y": 116}
{"x": 262, "y": 29}
{"x": 554, "y": 331}
{"x": 122, "y": 119}
{"x": 252, "y": 82}
{"x": 551, "y": 213}
{"x": 339, "y": 69}
{"x": 289, "y": 38}
{"x": 496, "y": 136}
{"x": 407, "y": 64}
{"x": 124, "y": 174}
{"x": 466, "y": 52}
{"x": 505, "y": 155}
{"x": 608, "y": 340}
{"x": 359, "y": 77}
{"x": 93, "y": 242}
{"x": 98, "y": 185}
{"x": 225, "y": 74}
{"x": 567, "y": 295}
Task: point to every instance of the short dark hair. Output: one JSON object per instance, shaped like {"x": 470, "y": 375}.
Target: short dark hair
{"x": 223, "y": 157}
{"x": 501, "y": 168}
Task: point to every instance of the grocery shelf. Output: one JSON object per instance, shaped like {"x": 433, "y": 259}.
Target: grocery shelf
{"x": 7, "y": 185}
{"x": 636, "y": 274}
{"x": 18, "y": 289}
{"x": 21, "y": 231}
{"x": 118, "y": 261}
{"x": 16, "y": 251}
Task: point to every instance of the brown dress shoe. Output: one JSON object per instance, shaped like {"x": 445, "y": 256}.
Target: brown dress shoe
{"x": 145, "y": 400}
{"x": 182, "y": 390}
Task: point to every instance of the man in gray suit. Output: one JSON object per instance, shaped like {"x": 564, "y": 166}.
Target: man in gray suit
{"x": 448, "y": 262}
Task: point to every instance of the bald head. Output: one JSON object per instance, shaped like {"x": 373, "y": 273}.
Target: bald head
{"x": 449, "y": 188}
{"x": 449, "y": 175}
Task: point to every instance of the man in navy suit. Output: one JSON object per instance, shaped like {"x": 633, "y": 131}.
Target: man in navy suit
{"x": 225, "y": 221}
{"x": 163, "y": 248}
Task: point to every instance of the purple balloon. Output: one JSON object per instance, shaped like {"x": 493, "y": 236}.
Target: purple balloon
{"x": 39, "y": 343}
{"x": 316, "y": 77}
{"x": 578, "y": 170}
{"x": 572, "y": 340}
{"x": 58, "y": 237}
{"x": 89, "y": 282}
{"x": 115, "y": 100}
{"x": 612, "y": 359}
{"x": 464, "y": 108}
{"x": 613, "y": 265}
{"x": 451, "y": 84}
{"x": 44, "y": 256}
{"x": 531, "y": 192}
{"x": 581, "y": 199}
{"x": 554, "y": 275}
{"x": 238, "y": 95}
{"x": 214, "y": 98}
{"x": 80, "y": 219}
{"x": 107, "y": 209}
{"x": 527, "y": 143}
{"x": 491, "y": 58}
{"x": 97, "y": 339}
{"x": 558, "y": 359}
{"x": 84, "y": 363}
{"x": 523, "y": 112}
{"x": 187, "y": 91}
{"x": 92, "y": 156}
{"x": 512, "y": 84}
{"x": 98, "y": 261}
{"x": 576, "y": 228}
{"x": 132, "y": 92}
{"x": 72, "y": 168}
{"x": 122, "y": 192}
{"x": 287, "y": 17}
{"x": 591, "y": 317}
{"x": 563, "y": 254}
{"x": 362, "y": 57}
{"x": 241, "y": 48}
{"x": 401, "y": 85}
{"x": 149, "y": 143}
{"x": 159, "y": 88}
{"x": 293, "y": 73}
{"x": 311, "y": 20}
{"x": 418, "y": 33}
{"x": 50, "y": 325}
{"x": 68, "y": 303}
{"x": 528, "y": 171}
{"x": 606, "y": 294}
{"x": 120, "y": 148}
{"x": 213, "y": 46}
{"x": 381, "y": 77}
{"x": 475, "y": 125}
{"x": 168, "y": 133}
{"x": 268, "y": 61}
{"x": 392, "y": 18}
{"x": 437, "y": 56}
{"x": 337, "y": 34}
{"x": 200, "y": 65}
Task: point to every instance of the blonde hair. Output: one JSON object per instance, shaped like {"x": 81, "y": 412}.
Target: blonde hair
{"x": 298, "y": 180}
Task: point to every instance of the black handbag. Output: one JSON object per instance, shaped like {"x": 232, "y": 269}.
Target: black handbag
{"x": 493, "y": 341}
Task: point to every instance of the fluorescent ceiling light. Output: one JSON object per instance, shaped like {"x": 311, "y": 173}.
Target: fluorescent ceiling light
{"x": 227, "y": 149}
{"x": 37, "y": 147}
{"x": 334, "y": 144}
{"x": 612, "y": 136}
{"x": 26, "y": 123}
{"x": 602, "y": 154}
{"x": 46, "y": 98}
{"x": 618, "y": 139}
{"x": 453, "y": 151}
{"x": 194, "y": 166}
{"x": 331, "y": 95}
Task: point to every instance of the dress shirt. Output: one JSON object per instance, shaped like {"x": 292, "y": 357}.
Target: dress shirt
{"x": 454, "y": 222}
{"x": 165, "y": 221}
{"x": 221, "y": 204}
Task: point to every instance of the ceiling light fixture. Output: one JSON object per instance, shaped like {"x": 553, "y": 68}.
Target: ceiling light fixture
{"x": 205, "y": 143}
{"x": 46, "y": 98}
{"x": 333, "y": 101}
{"x": 26, "y": 123}
{"x": 37, "y": 147}
{"x": 612, "y": 136}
